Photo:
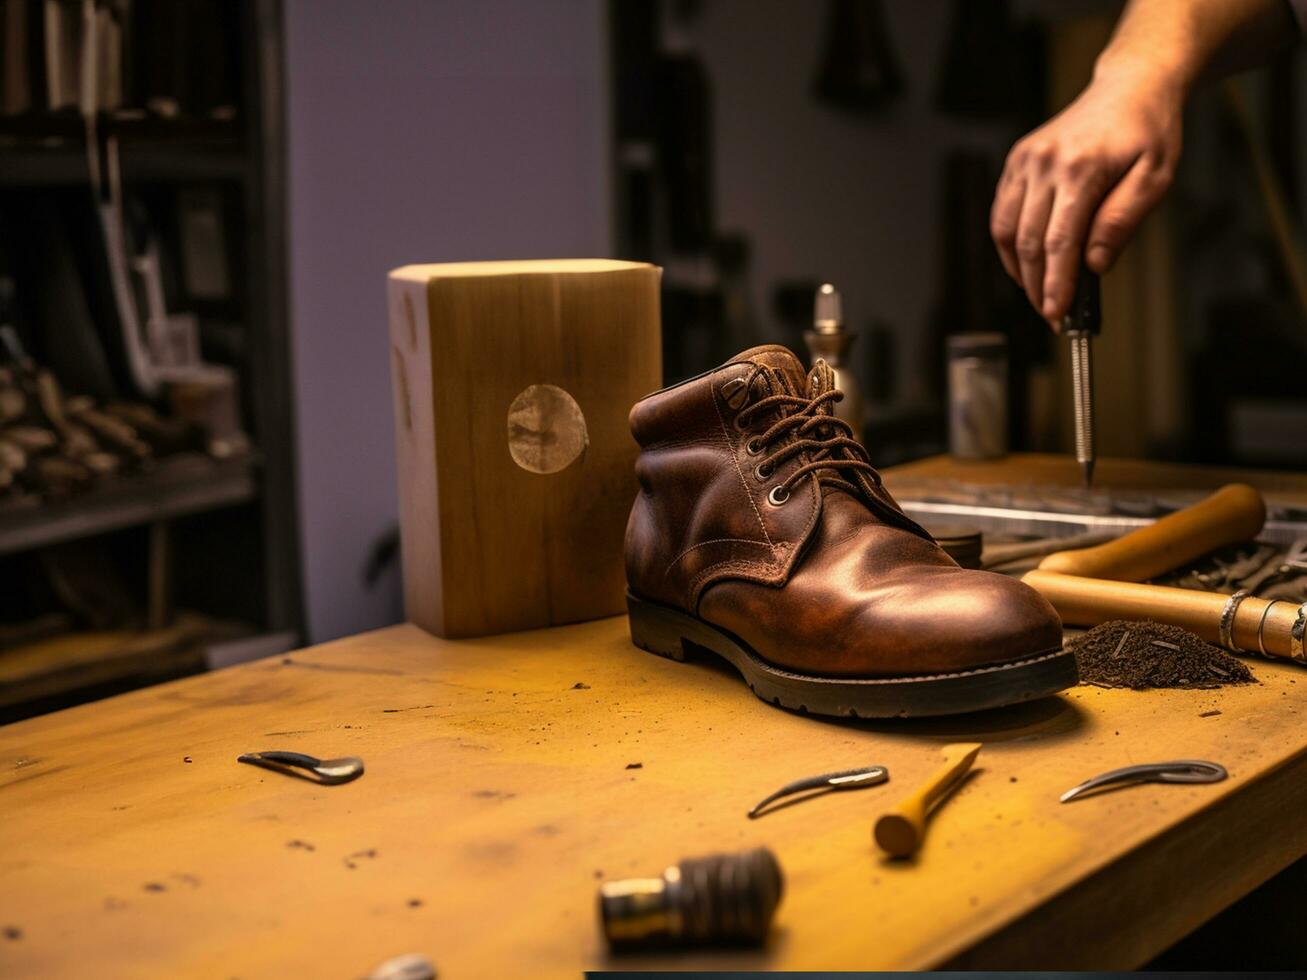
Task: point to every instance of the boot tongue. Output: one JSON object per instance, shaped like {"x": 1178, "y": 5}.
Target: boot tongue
{"x": 870, "y": 496}
{"x": 789, "y": 370}
{"x": 781, "y": 362}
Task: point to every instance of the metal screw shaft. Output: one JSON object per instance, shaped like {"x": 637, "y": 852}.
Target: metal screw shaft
{"x": 1082, "y": 382}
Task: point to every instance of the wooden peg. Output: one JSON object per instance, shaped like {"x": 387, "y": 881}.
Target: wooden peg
{"x": 901, "y": 831}
{"x": 1233, "y": 514}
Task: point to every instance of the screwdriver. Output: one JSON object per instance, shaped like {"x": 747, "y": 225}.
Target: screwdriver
{"x": 1082, "y": 321}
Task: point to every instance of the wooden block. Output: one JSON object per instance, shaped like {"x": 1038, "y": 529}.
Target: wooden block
{"x": 512, "y": 384}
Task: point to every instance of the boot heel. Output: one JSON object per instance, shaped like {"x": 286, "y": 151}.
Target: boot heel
{"x": 654, "y": 632}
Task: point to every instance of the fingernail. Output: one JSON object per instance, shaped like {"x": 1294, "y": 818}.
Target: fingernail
{"x": 1099, "y": 257}
{"x": 1050, "y": 310}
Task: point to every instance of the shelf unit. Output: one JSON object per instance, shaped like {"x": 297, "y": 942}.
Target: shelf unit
{"x": 179, "y": 486}
{"x": 61, "y": 162}
{"x": 246, "y": 153}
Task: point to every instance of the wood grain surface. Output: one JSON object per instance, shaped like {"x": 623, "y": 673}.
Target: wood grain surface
{"x": 501, "y": 787}
{"x": 502, "y": 486}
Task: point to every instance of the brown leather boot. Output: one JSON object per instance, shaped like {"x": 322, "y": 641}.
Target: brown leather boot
{"x": 762, "y": 534}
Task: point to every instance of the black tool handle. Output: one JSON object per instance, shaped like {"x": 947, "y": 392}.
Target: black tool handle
{"x": 1085, "y": 315}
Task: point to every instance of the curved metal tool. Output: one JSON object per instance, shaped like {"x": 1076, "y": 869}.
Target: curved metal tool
{"x": 328, "y": 772}
{"x": 849, "y": 779}
{"x": 1178, "y": 771}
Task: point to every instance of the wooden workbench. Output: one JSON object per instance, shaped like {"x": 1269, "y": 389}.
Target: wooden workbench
{"x": 1053, "y": 469}
{"x": 500, "y": 787}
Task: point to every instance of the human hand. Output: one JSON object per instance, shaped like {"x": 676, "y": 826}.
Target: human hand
{"x": 1081, "y": 183}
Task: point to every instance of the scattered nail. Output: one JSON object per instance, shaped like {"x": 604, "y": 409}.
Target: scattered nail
{"x": 635, "y": 765}
{"x": 350, "y": 860}
{"x": 409, "y": 967}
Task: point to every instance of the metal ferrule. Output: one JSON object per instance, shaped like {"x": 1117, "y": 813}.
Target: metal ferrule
{"x": 642, "y": 910}
{"x": 1297, "y": 634}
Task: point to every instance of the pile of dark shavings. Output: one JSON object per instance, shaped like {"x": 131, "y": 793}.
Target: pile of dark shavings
{"x": 1142, "y": 655}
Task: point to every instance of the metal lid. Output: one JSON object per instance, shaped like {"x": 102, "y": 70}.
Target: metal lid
{"x": 828, "y": 310}
{"x": 977, "y": 345}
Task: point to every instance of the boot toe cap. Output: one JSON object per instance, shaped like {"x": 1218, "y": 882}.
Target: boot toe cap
{"x": 968, "y": 620}
{"x": 922, "y": 621}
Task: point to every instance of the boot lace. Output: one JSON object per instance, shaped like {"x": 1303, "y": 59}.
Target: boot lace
{"x": 815, "y": 429}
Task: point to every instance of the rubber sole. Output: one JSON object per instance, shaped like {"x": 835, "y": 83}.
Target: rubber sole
{"x": 671, "y": 633}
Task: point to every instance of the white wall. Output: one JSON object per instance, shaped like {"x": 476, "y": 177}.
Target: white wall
{"x": 419, "y": 131}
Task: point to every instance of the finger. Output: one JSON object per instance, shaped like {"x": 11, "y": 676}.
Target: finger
{"x": 1031, "y": 226}
{"x": 1064, "y": 244}
{"x": 1125, "y": 206}
{"x": 1003, "y": 221}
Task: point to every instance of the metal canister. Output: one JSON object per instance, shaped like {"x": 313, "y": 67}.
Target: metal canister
{"x": 977, "y": 394}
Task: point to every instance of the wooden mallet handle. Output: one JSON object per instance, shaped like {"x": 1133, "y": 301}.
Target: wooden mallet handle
{"x": 901, "y": 831}
{"x": 1232, "y": 514}
{"x": 1090, "y": 601}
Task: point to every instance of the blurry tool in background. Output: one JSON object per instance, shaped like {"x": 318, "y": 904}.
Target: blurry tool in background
{"x": 665, "y": 153}
{"x": 829, "y": 341}
{"x": 977, "y": 395}
{"x": 723, "y": 899}
{"x": 992, "y": 68}
{"x": 162, "y": 349}
{"x": 170, "y": 362}
{"x": 54, "y": 444}
{"x": 859, "y": 70}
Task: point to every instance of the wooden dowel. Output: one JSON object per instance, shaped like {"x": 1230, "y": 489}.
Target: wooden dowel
{"x": 900, "y": 831}
{"x": 1089, "y": 601}
{"x": 1232, "y": 514}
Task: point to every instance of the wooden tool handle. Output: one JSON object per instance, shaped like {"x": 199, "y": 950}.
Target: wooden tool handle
{"x": 1234, "y": 513}
{"x": 1090, "y": 601}
{"x": 901, "y": 831}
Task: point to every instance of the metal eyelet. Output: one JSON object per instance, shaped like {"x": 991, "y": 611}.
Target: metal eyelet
{"x": 739, "y": 426}
{"x": 762, "y": 472}
{"x": 753, "y": 447}
{"x": 778, "y": 496}
{"x": 735, "y": 393}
